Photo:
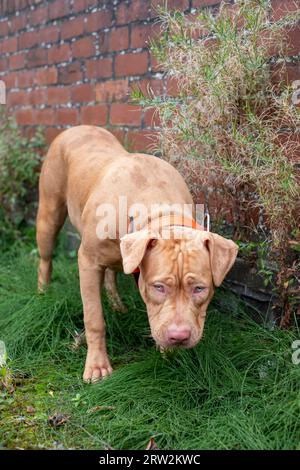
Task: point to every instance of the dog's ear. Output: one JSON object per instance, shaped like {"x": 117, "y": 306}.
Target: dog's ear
{"x": 133, "y": 248}
{"x": 222, "y": 254}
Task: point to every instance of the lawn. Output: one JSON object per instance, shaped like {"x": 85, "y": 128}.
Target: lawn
{"x": 238, "y": 389}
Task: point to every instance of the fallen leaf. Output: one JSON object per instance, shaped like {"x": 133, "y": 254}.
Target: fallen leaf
{"x": 152, "y": 445}
{"x": 101, "y": 408}
{"x": 30, "y": 409}
{"x": 58, "y": 420}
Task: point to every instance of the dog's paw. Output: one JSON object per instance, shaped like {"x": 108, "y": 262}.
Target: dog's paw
{"x": 97, "y": 367}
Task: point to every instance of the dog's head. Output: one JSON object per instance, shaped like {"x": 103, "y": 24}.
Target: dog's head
{"x": 177, "y": 279}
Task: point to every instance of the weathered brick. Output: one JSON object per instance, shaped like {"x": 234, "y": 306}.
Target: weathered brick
{"x": 94, "y": 114}
{"x": 25, "y": 117}
{"x": 45, "y": 117}
{"x": 101, "y": 68}
{"x": 125, "y": 114}
{"x": 148, "y": 86}
{"x": 204, "y": 3}
{"x": 141, "y": 141}
{"x": 11, "y": 80}
{"x": 151, "y": 118}
{"x": 36, "y": 57}
{"x": 51, "y": 133}
{"x": 47, "y": 76}
{"x": 17, "y": 61}
{"x": 98, "y": 20}
{"x": 136, "y": 10}
{"x": 119, "y": 39}
{"x": 73, "y": 28}
{"x": 66, "y": 117}
{"x": 58, "y": 9}
{"x": 25, "y": 78}
{"x": 281, "y": 8}
{"x": 70, "y": 73}
{"x": 112, "y": 90}
{"x": 8, "y": 45}
{"x": 83, "y": 47}
{"x": 17, "y": 98}
{"x": 58, "y": 54}
{"x": 38, "y": 16}
{"x": 131, "y": 64}
{"x": 37, "y": 96}
{"x": 49, "y": 34}
{"x": 3, "y": 64}
{"x": 18, "y": 22}
{"x": 172, "y": 86}
{"x": 140, "y": 35}
{"x": 3, "y": 28}
{"x": 57, "y": 95}
{"x": 83, "y": 93}
{"x": 28, "y": 39}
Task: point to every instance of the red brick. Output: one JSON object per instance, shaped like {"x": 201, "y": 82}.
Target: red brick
{"x": 172, "y": 87}
{"x": 48, "y": 34}
{"x": 17, "y": 98}
{"x": 46, "y": 76}
{"x": 136, "y": 10}
{"x": 37, "y": 96}
{"x": 94, "y": 114}
{"x": 70, "y": 73}
{"x": 98, "y": 20}
{"x": 83, "y": 93}
{"x": 8, "y": 45}
{"x": 58, "y": 95}
{"x": 36, "y": 57}
{"x": 101, "y": 68}
{"x": 112, "y": 90}
{"x": 151, "y": 118}
{"x": 25, "y": 117}
{"x": 73, "y": 28}
{"x": 58, "y": 54}
{"x": 148, "y": 86}
{"x": 80, "y": 5}
{"x": 17, "y": 61}
{"x": 141, "y": 34}
{"x": 18, "y": 23}
{"x": 293, "y": 36}
{"x": 28, "y": 39}
{"x": 3, "y": 64}
{"x": 141, "y": 141}
{"x": 45, "y": 117}
{"x": 125, "y": 114}
{"x": 38, "y": 16}
{"x": 204, "y": 3}
{"x": 119, "y": 134}
{"x": 10, "y": 80}
{"x": 51, "y": 133}
{"x": 58, "y": 9}
{"x": 104, "y": 41}
{"x": 25, "y": 78}
{"x": 131, "y": 64}
{"x": 281, "y": 8}
{"x": 3, "y": 28}
{"x": 155, "y": 65}
{"x": 66, "y": 117}
{"x": 119, "y": 39}
{"x": 83, "y": 47}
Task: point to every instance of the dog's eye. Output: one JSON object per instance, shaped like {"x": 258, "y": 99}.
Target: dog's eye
{"x": 159, "y": 288}
{"x": 198, "y": 289}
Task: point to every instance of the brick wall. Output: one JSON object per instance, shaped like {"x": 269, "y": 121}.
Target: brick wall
{"x": 68, "y": 62}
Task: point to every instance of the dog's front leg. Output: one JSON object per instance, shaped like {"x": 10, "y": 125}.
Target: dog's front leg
{"x": 91, "y": 275}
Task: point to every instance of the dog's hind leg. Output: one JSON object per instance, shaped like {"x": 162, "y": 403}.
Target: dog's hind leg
{"x": 110, "y": 285}
{"x": 50, "y": 219}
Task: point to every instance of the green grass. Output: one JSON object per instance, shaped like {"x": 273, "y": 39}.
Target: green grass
{"x": 238, "y": 389}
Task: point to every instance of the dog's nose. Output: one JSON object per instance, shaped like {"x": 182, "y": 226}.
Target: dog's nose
{"x": 178, "y": 334}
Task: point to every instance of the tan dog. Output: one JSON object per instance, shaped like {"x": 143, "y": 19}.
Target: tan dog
{"x": 85, "y": 168}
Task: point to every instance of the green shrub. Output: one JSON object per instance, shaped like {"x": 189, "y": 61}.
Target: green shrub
{"x": 230, "y": 129}
{"x": 20, "y": 159}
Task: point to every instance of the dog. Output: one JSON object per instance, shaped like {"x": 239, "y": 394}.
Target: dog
{"x": 85, "y": 170}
